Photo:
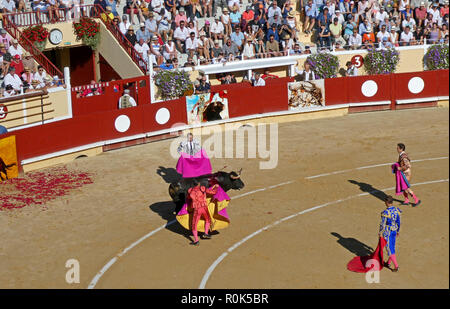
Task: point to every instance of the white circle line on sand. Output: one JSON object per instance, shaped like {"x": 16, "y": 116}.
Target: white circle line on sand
{"x": 114, "y": 259}
{"x": 222, "y": 257}
{"x": 369, "y": 166}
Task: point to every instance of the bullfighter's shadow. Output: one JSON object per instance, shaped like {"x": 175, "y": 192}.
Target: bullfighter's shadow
{"x": 353, "y": 245}
{"x": 166, "y": 210}
{"x": 365, "y": 187}
{"x": 168, "y": 174}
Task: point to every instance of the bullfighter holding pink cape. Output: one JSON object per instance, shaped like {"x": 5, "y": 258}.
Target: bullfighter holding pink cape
{"x": 402, "y": 171}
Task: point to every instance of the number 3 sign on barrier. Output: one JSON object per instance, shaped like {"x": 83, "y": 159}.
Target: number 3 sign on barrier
{"x": 358, "y": 61}
{"x": 3, "y": 111}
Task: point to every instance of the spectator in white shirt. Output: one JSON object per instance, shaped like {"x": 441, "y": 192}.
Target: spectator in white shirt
{"x": 409, "y": 21}
{"x": 406, "y": 38}
{"x": 435, "y": 12}
{"x": 142, "y": 48}
{"x": 217, "y": 29}
{"x": 355, "y": 40}
{"x": 381, "y": 15}
{"x": 181, "y": 34}
{"x": 8, "y": 6}
{"x": 192, "y": 44}
{"x": 40, "y": 76}
{"x": 273, "y": 9}
{"x": 352, "y": 70}
{"x": 382, "y": 34}
{"x": 13, "y": 79}
{"x": 15, "y": 49}
{"x": 124, "y": 25}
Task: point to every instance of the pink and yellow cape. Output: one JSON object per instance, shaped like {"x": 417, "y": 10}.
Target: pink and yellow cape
{"x": 217, "y": 211}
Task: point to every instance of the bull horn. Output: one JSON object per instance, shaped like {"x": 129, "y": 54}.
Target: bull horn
{"x": 240, "y": 171}
{"x": 235, "y": 177}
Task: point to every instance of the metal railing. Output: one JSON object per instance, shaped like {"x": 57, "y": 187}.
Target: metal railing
{"x": 40, "y": 58}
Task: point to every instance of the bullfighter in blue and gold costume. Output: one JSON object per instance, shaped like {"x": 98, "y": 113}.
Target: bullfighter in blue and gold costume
{"x": 390, "y": 229}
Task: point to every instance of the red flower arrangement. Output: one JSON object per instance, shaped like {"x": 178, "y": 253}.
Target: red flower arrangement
{"x": 88, "y": 31}
{"x": 35, "y": 34}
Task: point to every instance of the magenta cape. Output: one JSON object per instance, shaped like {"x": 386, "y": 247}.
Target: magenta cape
{"x": 217, "y": 210}
{"x": 194, "y": 166}
{"x": 359, "y": 263}
{"x": 401, "y": 183}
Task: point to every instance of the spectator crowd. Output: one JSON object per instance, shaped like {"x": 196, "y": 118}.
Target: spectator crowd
{"x": 269, "y": 28}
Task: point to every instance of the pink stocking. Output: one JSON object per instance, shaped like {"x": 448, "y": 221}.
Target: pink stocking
{"x": 393, "y": 259}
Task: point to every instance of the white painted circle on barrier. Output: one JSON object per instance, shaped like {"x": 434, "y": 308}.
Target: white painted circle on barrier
{"x": 369, "y": 88}
{"x": 122, "y": 123}
{"x": 416, "y": 85}
{"x": 162, "y": 115}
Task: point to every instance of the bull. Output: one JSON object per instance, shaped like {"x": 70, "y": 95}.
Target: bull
{"x": 227, "y": 181}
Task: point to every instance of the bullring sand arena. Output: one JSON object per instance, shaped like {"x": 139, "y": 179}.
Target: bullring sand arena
{"x": 288, "y": 229}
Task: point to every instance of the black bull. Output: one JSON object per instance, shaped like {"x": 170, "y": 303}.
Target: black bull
{"x": 227, "y": 181}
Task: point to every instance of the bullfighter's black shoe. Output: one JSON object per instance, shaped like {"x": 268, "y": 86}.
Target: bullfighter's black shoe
{"x": 195, "y": 243}
{"x": 405, "y": 203}
{"x": 206, "y": 236}
{"x": 417, "y": 204}
{"x": 395, "y": 269}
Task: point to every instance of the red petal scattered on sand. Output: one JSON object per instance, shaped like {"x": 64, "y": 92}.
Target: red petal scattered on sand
{"x": 37, "y": 188}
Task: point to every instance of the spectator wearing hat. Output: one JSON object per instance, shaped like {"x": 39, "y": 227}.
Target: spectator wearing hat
{"x": 421, "y": 14}
{"x": 180, "y": 35}
{"x": 15, "y": 49}
{"x": 5, "y": 38}
{"x": 368, "y": 39}
{"x": 9, "y": 92}
{"x": 143, "y": 33}
{"x": 337, "y": 14}
{"x": 205, "y": 44}
{"x": 170, "y": 51}
{"x": 107, "y": 16}
{"x": 155, "y": 51}
{"x": 393, "y": 38}
{"x": 131, "y": 36}
{"x": 435, "y": 13}
{"x": 17, "y": 64}
{"x": 13, "y": 79}
{"x": 180, "y": 17}
{"x": 151, "y": 25}
{"x": 235, "y": 17}
{"x": 287, "y": 44}
{"x": 355, "y": 40}
{"x": 226, "y": 21}
{"x": 217, "y": 29}
{"x": 5, "y": 60}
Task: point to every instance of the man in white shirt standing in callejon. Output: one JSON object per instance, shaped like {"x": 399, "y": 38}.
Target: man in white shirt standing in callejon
{"x": 126, "y": 100}
{"x": 258, "y": 81}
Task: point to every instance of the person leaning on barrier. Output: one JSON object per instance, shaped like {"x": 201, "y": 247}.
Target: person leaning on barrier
{"x": 258, "y": 81}
{"x": 305, "y": 75}
{"x": 126, "y": 100}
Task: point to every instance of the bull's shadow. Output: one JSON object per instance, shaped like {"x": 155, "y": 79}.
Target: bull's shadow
{"x": 353, "y": 245}
{"x": 169, "y": 175}
{"x": 166, "y": 211}
{"x": 365, "y": 187}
